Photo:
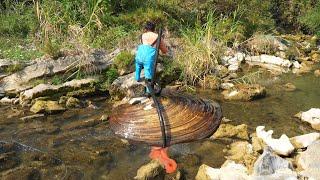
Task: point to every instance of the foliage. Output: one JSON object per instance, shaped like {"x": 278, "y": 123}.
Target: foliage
{"x": 204, "y": 46}
{"x": 56, "y": 80}
{"x": 110, "y": 75}
{"x": 17, "y": 48}
{"x": 13, "y": 68}
{"x": 311, "y": 19}
{"x": 124, "y": 60}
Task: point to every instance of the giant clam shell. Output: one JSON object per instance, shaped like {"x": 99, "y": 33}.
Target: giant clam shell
{"x": 187, "y": 119}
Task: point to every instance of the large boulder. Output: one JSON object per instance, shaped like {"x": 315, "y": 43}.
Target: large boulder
{"x": 50, "y": 107}
{"x": 18, "y": 81}
{"x": 305, "y": 140}
{"x": 271, "y": 166}
{"x": 268, "y": 59}
{"x": 281, "y": 146}
{"x": 229, "y": 171}
{"x": 233, "y": 62}
{"x": 128, "y": 86}
{"x": 150, "y": 171}
{"x": 242, "y": 152}
{"x": 311, "y": 157}
{"x": 261, "y": 44}
{"x": 312, "y": 116}
{"x": 231, "y": 131}
{"x": 48, "y": 89}
{"x": 245, "y": 92}
{"x": 309, "y": 161}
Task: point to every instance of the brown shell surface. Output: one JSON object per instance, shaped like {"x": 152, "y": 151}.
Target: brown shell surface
{"x": 187, "y": 119}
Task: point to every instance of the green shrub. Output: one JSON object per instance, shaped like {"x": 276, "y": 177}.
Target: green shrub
{"x": 110, "y": 75}
{"x": 124, "y": 60}
{"x": 13, "y": 68}
{"x": 57, "y": 80}
{"x": 312, "y": 19}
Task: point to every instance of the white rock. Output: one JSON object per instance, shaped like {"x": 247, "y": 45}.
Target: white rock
{"x": 227, "y": 85}
{"x": 313, "y": 117}
{"x": 7, "y": 100}
{"x": 229, "y": 171}
{"x": 269, "y": 60}
{"x": 296, "y": 65}
{"x": 304, "y": 141}
{"x": 281, "y": 146}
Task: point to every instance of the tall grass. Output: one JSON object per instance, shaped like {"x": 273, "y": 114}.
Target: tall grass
{"x": 204, "y": 46}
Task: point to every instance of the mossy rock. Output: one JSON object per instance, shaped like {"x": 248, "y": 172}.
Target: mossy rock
{"x": 73, "y": 103}
{"x": 83, "y": 93}
{"x": 50, "y": 107}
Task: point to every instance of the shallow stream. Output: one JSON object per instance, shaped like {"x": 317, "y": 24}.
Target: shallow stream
{"x": 74, "y": 145}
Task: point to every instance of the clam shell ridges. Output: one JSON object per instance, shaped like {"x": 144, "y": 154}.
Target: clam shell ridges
{"x": 187, "y": 119}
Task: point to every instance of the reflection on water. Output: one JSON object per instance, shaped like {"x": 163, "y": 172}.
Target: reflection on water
{"x": 90, "y": 151}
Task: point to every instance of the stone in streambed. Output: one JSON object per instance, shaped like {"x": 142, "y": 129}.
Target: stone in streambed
{"x": 313, "y": 117}
{"x": 230, "y": 131}
{"x": 242, "y": 152}
{"x": 73, "y": 103}
{"x": 41, "y": 106}
{"x": 311, "y": 157}
{"x": 281, "y": 146}
{"x": 289, "y": 87}
{"x": 81, "y": 124}
{"x": 257, "y": 143}
{"x": 268, "y": 163}
{"x": 151, "y": 171}
{"x": 304, "y": 141}
{"x": 245, "y": 92}
{"x": 317, "y": 73}
{"x": 229, "y": 171}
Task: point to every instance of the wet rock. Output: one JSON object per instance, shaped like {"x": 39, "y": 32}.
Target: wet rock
{"x": 81, "y": 124}
{"x": 304, "y": 68}
{"x": 257, "y": 143}
{"x": 104, "y": 117}
{"x": 73, "y": 103}
{"x": 315, "y": 56}
{"x": 50, "y": 107}
{"x": 313, "y": 117}
{"x": 128, "y": 86}
{"x": 310, "y": 159}
{"x": 230, "y": 131}
{"x": 317, "y": 73}
{"x": 261, "y": 44}
{"x": 269, "y": 163}
{"x": 229, "y": 171}
{"x": 296, "y": 65}
{"x": 31, "y": 117}
{"x": 267, "y": 59}
{"x": 312, "y": 174}
{"x": 151, "y": 171}
{"x": 63, "y": 100}
{"x": 281, "y": 146}
{"x": 245, "y": 92}
{"x": 18, "y": 81}
{"x": 7, "y": 100}
{"x": 289, "y": 87}
{"x": 8, "y": 160}
{"x": 47, "y": 89}
{"x": 2, "y": 93}
{"x": 242, "y": 152}
{"x": 304, "y": 141}
{"x": 233, "y": 62}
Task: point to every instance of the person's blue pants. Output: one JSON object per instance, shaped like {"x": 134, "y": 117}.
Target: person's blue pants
{"x": 144, "y": 59}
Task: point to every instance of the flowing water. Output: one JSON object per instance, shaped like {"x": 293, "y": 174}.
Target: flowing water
{"x": 75, "y": 145}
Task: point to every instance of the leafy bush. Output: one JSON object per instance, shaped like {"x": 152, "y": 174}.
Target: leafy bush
{"x": 111, "y": 75}
{"x": 204, "y": 46}
{"x": 312, "y": 19}
{"x": 124, "y": 60}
